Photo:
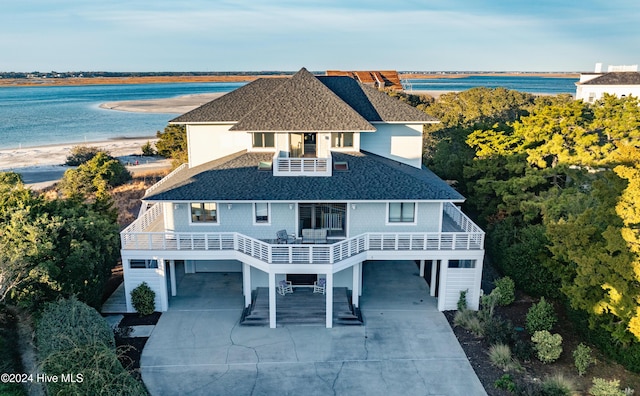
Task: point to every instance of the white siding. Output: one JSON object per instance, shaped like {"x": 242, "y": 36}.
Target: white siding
{"x": 218, "y": 266}
{"x": 402, "y": 143}
{"x": 597, "y": 91}
{"x": 155, "y": 279}
{"x": 209, "y": 142}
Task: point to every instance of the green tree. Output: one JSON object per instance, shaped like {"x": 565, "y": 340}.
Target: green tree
{"x": 172, "y": 143}
{"x": 93, "y": 179}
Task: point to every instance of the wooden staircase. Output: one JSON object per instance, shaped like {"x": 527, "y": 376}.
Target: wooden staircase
{"x": 302, "y": 307}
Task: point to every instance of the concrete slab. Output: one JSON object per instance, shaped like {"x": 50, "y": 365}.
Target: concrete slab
{"x": 405, "y": 347}
{"x": 141, "y": 331}
{"x": 116, "y": 303}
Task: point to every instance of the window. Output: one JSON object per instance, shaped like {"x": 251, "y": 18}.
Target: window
{"x": 204, "y": 212}
{"x": 261, "y": 211}
{"x": 138, "y": 264}
{"x": 402, "y": 212}
{"x": 462, "y": 263}
{"x": 342, "y": 139}
{"x": 264, "y": 140}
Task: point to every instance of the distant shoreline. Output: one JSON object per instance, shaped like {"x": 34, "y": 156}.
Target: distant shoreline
{"x": 80, "y": 81}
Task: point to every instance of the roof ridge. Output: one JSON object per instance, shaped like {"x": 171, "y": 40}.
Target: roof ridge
{"x": 302, "y": 103}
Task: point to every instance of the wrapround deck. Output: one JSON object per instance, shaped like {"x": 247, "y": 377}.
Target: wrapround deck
{"x": 139, "y": 236}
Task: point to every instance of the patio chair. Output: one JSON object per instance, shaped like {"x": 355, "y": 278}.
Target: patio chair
{"x": 283, "y": 237}
{"x": 285, "y": 287}
{"x": 319, "y": 285}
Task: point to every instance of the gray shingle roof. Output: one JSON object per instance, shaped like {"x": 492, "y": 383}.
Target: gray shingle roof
{"x": 370, "y": 177}
{"x": 304, "y": 103}
{"x": 615, "y": 78}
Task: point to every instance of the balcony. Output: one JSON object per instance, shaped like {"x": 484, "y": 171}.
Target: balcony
{"x": 303, "y": 166}
{"x": 138, "y": 237}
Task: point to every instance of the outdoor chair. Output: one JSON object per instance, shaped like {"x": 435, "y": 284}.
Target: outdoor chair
{"x": 283, "y": 237}
{"x": 319, "y": 285}
{"x": 285, "y": 287}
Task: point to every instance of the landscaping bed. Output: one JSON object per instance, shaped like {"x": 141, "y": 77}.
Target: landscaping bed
{"x": 477, "y": 348}
{"x": 131, "y": 347}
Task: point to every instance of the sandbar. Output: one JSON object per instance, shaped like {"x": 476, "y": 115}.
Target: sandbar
{"x": 178, "y": 105}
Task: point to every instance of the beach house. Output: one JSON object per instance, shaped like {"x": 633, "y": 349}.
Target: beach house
{"x": 297, "y": 182}
{"x": 620, "y": 81}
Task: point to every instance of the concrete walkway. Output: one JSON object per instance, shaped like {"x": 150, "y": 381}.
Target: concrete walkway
{"x": 405, "y": 348}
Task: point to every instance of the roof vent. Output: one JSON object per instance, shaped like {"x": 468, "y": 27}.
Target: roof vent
{"x": 340, "y": 166}
{"x": 265, "y": 165}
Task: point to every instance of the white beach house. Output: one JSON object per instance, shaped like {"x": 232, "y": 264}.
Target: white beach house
{"x": 298, "y": 181}
{"x": 620, "y": 81}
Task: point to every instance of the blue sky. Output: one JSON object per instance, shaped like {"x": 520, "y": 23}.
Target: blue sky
{"x": 212, "y": 35}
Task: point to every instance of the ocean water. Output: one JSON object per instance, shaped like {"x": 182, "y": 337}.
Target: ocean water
{"x": 537, "y": 85}
{"x": 35, "y": 116}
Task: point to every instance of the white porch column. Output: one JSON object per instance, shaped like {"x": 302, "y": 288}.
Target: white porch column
{"x": 164, "y": 295}
{"x": 246, "y": 284}
{"x": 360, "y": 278}
{"x": 329, "y": 300}
{"x": 442, "y": 292}
{"x": 355, "y": 291}
{"x": 422, "y": 268}
{"x": 172, "y": 274}
{"x": 432, "y": 284}
{"x": 272, "y": 300}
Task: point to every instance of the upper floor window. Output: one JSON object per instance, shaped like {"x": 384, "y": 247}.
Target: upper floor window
{"x": 341, "y": 139}
{"x": 261, "y": 212}
{"x": 402, "y": 212}
{"x": 139, "y": 264}
{"x": 264, "y": 140}
{"x": 204, "y": 212}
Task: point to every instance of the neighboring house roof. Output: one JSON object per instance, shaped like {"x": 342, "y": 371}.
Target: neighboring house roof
{"x": 389, "y": 78}
{"x": 370, "y": 177}
{"x": 304, "y": 103}
{"x": 615, "y": 78}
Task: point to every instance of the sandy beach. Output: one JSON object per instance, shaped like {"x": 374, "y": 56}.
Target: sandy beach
{"x": 179, "y": 105}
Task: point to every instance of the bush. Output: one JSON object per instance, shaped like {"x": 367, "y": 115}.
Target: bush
{"x": 523, "y": 350}
{"x": 81, "y": 154}
{"x": 499, "y": 331}
{"x": 557, "y": 385}
{"x": 541, "y": 316}
{"x": 66, "y": 324}
{"x": 548, "y": 346}
{"x": 143, "y": 299}
{"x": 469, "y": 320}
{"x": 602, "y": 387}
{"x": 500, "y": 356}
{"x": 505, "y": 383}
{"x": 582, "y": 358}
{"x": 507, "y": 290}
{"x": 148, "y": 150}
{"x": 462, "y": 300}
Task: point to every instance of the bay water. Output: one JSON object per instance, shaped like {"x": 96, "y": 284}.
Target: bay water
{"x": 36, "y": 116}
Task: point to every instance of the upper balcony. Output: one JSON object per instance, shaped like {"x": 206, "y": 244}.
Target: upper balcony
{"x": 301, "y": 166}
{"x": 458, "y": 233}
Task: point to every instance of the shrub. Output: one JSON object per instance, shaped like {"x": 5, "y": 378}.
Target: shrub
{"x": 557, "y": 385}
{"x": 523, "y": 350}
{"x": 469, "y": 320}
{"x": 462, "y": 300}
{"x": 507, "y": 290}
{"x": 143, "y": 299}
{"x": 541, "y": 316}
{"x": 582, "y": 358}
{"x": 505, "y": 383}
{"x": 80, "y": 154}
{"x": 148, "y": 150}
{"x": 490, "y": 301}
{"x": 499, "y": 331}
{"x": 548, "y": 346}
{"x": 67, "y": 324}
{"x": 500, "y": 356}
{"x": 602, "y": 387}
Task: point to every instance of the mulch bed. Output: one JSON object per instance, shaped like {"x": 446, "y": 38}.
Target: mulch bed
{"x": 131, "y": 347}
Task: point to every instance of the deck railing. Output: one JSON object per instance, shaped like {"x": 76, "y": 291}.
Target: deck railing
{"x": 166, "y": 178}
{"x": 292, "y": 166}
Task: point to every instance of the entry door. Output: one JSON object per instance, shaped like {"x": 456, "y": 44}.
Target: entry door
{"x": 296, "y": 145}
{"x": 309, "y": 145}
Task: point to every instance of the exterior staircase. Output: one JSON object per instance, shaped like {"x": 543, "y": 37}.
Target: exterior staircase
{"x": 302, "y": 307}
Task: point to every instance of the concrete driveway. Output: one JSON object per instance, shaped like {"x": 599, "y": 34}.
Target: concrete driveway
{"x": 406, "y": 347}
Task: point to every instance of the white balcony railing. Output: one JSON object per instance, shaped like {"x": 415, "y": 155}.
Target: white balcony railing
{"x": 290, "y": 166}
{"x": 166, "y": 178}
{"x": 134, "y": 238}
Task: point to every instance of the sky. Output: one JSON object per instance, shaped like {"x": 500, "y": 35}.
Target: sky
{"x": 259, "y": 35}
